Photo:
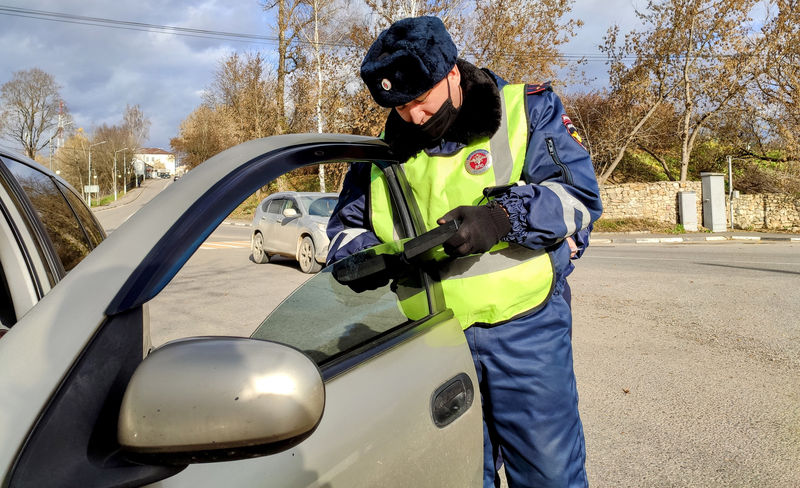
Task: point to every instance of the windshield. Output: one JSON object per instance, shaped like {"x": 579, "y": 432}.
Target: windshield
{"x": 320, "y": 206}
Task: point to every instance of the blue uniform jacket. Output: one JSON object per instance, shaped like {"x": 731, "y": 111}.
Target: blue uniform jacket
{"x": 560, "y": 197}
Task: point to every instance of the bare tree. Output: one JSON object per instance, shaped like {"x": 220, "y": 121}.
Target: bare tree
{"x": 30, "y": 109}
{"x": 286, "y": 27}
{"x": 637, "y": 92}
{"x": 136, "y": 126}
{"x": 780, "y": 84}
{"x": 520, "y": 40}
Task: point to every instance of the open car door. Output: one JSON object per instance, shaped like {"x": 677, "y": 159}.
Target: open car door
{"x": 335, "y": 388}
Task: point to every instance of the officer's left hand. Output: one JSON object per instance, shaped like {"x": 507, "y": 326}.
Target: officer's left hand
{"x": 481, "y": 228}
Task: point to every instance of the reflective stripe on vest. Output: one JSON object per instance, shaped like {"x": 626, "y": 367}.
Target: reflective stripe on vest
{"x": 493, "y": 287}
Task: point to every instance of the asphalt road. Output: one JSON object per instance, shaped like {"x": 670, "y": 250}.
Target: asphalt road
{"x": 688, "y": 364}
{"x": 114, "y": 214}
{"x": 687, "y": 355}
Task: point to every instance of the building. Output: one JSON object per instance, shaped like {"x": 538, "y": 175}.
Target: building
{"x": 160, "y": 160}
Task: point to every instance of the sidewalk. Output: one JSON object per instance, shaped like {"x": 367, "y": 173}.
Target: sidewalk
{"x": 124, "y": 199}
{"x": 690, "y": 237}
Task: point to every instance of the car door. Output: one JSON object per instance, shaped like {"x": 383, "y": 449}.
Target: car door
{"x": 400, "y": 407}
{"x": 286, "y": 229}
{"x": 270, "y": 220}
{"x": 400, "y": 393}
{"x": 48, "y": 230}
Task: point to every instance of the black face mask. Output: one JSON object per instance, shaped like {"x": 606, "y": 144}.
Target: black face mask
{"x": 434, "y": 128}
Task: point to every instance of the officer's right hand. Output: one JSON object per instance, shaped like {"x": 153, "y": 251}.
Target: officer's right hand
{"x": 366, "y": 270}
{"x": 371, "y": 282}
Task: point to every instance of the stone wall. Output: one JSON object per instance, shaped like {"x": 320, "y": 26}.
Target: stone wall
{"x": 653, "y": 201}
{"x": 766, "y": 211}
{"x": 659, "y": 201}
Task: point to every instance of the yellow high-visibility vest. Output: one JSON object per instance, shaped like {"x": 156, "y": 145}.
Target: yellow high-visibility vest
{"x": 508, "y": 281}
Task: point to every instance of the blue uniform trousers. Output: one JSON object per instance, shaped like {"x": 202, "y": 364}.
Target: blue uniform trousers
{"x": 530, "y": 399}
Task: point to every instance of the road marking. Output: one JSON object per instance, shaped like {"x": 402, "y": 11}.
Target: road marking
{"x": 225, "y": 245}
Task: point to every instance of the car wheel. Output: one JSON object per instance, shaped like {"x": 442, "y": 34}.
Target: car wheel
{"x": 260, "y": 256}
{"x": 306, "y": 256}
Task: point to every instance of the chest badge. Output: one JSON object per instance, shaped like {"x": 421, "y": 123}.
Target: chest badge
{"x": 478, "y": 162}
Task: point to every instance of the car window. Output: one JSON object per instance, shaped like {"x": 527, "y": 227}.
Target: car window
{"x": 87, "y": 220}
{"x": 321, "y": 207}
{"x": 34, "y": 245}
{"x": 276, "y": 206}
{"x": 326, "y": 319}
{"x": 68, "y": 238}
{"x": 291, "y": 204}
{"x": 7, "y": 314}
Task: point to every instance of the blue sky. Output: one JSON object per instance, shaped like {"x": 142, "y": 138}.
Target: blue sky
{"x": 101, "y": 69}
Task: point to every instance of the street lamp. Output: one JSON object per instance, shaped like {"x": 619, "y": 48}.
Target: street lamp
{"x": 89, "y": 193}
{"x": 730, "y": 183}
{"x": 124, "y": 174}
{"x": 115, "y": 171}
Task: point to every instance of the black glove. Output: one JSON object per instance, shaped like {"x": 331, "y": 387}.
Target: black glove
{"x": 366, "y": 271}
{"x": 372, "y": 282}
{"x": 481, "y": 228}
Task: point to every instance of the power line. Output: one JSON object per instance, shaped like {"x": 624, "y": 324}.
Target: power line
{"x": 129, "y": 25}
{"x": 260, "y": 39}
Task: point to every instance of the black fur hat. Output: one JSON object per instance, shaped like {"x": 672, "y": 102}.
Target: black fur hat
{"x": 407, "y": 59}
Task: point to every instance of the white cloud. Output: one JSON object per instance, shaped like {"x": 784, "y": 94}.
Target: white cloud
{"x": 101, "y": 70}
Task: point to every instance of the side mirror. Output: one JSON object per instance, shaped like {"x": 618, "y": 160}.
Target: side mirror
{"x": 207, "y": 399}
{"x": 290, "y": 213}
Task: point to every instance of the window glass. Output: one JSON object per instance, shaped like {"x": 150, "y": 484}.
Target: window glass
{"x": 325, "y": 318}
{"x": 291, "y": 204}
{"x": 7, "y": 314}
{"x": 65, "y": 232}
{"x": 90, "y": 224}
{"x": 276, "y": 206}
{"x": 320, "y": 206}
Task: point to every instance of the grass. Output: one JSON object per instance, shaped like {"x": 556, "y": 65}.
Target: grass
{"x": 246, "y": 209}
{"x": 103, "y": 201}
{"x": 638, "y": 225}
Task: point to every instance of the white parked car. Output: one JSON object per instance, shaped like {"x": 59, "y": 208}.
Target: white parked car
{"x": 293, "y": 224}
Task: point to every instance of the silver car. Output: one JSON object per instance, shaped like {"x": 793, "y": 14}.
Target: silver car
{"x": 293, "y": 224}
{"x": 334, "y": 388}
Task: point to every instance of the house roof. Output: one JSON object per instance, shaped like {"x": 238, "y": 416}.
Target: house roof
{"x": 153, "y": 150}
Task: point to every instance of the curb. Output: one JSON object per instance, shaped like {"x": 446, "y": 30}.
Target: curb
{"x": 684, "y": 240}
{"x": 232, "y": 222}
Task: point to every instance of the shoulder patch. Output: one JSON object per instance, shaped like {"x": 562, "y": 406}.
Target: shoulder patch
{"x": 572, "y": 130}
{"x": 537, "y": 88}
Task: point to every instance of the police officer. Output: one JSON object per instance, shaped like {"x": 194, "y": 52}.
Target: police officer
{"x": 459, "y": 129}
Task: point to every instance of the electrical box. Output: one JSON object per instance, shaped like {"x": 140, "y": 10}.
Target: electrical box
{"x": 714, "y": 217}
{"x": 687, "y": 210}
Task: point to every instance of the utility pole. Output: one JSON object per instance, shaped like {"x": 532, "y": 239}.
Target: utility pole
{"x": 115, "y": 171}
{"x": 89, "y": 193}
{"x": 124, "y": 174}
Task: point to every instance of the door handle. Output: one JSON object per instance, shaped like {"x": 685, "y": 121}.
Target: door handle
{"x": 452, "y": 399}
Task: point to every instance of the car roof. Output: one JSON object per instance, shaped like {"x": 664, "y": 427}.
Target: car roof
{"x": 302, "y": 194}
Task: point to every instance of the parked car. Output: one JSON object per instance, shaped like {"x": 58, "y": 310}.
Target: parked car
{"x": 48, "y": 229}
{"x": 335, "y": 388}
{"x": 293, "y": 224}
